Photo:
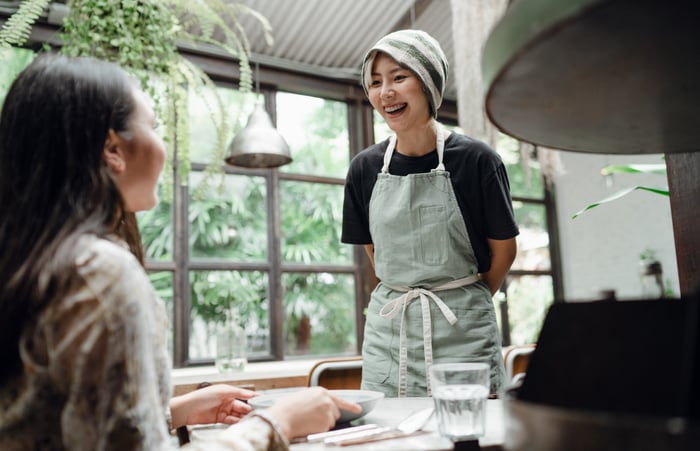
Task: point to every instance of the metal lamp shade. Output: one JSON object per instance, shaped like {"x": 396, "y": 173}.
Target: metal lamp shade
{"x": 258, "y": 144}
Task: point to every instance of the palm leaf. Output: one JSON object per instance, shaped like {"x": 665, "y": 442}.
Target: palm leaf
{"x": 619, "y": 194}
{"x": 634, "y": 169}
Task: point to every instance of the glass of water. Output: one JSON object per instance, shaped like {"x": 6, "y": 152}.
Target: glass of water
{"x": 460, "y": 391}
{"x": 231, "y": 346}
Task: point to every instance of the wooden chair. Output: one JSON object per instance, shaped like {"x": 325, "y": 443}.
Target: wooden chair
{"x": 516, "y": 359}
{"x": 336, "y": 373}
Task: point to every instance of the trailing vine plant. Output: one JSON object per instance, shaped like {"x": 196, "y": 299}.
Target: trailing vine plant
{"x": 142, "y": 37}
{"x": 16, "y": 30}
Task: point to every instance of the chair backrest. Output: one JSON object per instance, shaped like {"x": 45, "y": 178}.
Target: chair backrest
{"x": 516, "y": 359}
{"x": 635, "y": 357}
{"x": 337, "y": 373}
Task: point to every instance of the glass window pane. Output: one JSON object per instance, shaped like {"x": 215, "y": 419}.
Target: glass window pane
{"x": 205, "y": 115}
{"x": 13, "y": 61}
{"x": 230, "y": 222}
{"x": 529, "y": 297}
{"x": 381, "y": 129}
{"x": 162, "y": 281}
{"x": 523, "y": 168}
{"x": 213, "y": 292}
{"x": 317, "y": 133}
{"x": 533, "y": 240}
{"x": 156, "y": 228}
{"x": 311, "y": 217}
{"x": 319, "y": 314}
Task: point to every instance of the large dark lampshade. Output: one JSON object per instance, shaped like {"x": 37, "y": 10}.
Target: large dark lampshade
{"x": 598, "y": 76}
{"x": 258, "y": 144}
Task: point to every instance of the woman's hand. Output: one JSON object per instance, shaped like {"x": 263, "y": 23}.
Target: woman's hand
{"x": 218, "y": 403}
{"x": 308, "y": 411}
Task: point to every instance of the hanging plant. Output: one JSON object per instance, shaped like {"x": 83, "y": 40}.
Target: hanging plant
{"x": 141, "y": 36}
{"x": 15, "y": 31}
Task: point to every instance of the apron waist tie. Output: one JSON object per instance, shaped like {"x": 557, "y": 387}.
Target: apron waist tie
{"x": 391, "y": 309}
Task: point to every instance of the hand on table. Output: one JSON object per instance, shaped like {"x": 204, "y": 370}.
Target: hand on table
{"x": 308, "y": 411}
{"x": 217, "y": 403}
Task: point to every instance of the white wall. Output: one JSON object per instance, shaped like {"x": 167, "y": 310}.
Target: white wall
{"x": 600, "y": 249}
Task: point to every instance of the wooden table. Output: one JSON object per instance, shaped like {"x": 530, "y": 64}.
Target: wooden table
{"x": 390, "y": 412}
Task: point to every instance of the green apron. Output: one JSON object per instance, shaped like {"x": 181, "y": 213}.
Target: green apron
{"x": 422, "y": 252}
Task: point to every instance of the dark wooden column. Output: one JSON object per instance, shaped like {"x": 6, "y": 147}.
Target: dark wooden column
{"x": 684, "y": 186}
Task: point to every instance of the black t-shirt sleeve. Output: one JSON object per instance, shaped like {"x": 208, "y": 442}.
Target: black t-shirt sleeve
{"x": 355, "y": 220}
{"x": 359, "y": 184}
{"x": 498, "y": 214}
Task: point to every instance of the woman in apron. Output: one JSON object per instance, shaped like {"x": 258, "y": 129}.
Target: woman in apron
{"x": 434, "y": 212}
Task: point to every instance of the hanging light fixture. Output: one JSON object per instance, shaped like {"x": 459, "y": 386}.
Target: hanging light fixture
{"x": 258, "y": 144}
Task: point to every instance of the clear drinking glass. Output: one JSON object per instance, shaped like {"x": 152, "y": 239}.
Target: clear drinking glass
{"x": 460, "y": 391}
{"x": 231, "y": 346}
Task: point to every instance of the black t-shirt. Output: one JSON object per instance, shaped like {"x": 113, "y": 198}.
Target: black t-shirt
{"x": 478, "y": 177}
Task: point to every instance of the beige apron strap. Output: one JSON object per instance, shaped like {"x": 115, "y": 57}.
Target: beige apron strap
{"x": 441, "y": 134}
{"x": 387, "y": 154}
{"x": 391, "y": 309}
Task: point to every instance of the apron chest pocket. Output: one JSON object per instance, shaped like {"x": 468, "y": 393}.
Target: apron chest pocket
{"x": 433, "y": 234}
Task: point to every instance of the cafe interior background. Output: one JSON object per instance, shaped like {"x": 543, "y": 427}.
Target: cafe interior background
{"x": 260, "y": 246}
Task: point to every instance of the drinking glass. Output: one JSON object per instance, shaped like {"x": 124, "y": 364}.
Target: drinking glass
{"x": 460, "y": 391}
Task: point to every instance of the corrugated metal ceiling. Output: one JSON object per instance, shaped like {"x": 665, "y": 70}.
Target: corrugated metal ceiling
{"x": 331, "y": 36}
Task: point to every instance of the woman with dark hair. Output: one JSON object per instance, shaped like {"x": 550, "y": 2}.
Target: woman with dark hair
{"x": 82, "y": 332}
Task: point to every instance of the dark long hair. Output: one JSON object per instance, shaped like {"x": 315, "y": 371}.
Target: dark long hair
{"x": 54, "y": 182}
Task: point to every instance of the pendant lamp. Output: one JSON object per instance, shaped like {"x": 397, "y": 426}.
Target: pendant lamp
{"x": 258, "y": 144}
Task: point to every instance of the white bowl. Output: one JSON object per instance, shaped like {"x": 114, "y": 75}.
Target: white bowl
{"x": 365, "y": 398}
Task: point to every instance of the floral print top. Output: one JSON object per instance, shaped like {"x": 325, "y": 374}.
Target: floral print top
{"x": 96, "y": 368}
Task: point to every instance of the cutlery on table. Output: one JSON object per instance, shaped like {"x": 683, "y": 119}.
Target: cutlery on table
{"x": 371, "y": 432}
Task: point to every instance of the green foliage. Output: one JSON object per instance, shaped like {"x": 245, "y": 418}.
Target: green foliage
{"x": 216, "y": 22}
{"x": 13, "y": 61}
{"x": 525, "y": 179}
{"x": 156, "y": 227}
{"x": 320, "y": 129}
{"x": 634, "y": 169}
{"x": 15, "y": 31}
{"x": 628, "y": 169}
{"x": 619, "y": 194}
{"x": 648, "y": 255}
{"x": 231, "y": 225}
{"x": 142, "y": 36}
{"x": 529, "y": 297}
{"x": 215, "y": 294}
{"x": 139, "y": 35}
{"x": 326, "y": 300}
{"x": 310, "y": 214}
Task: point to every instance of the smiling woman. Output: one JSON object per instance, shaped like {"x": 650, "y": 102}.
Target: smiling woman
{"x": 433, "y": 211}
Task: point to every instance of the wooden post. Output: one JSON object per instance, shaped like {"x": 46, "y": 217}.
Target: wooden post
{"x": 683, "y": 171}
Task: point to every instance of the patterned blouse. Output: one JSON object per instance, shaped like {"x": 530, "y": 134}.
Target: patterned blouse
{"x": 96, "y": 369}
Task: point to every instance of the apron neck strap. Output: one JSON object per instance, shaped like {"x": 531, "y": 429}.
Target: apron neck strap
{"x": 441, "y": 134}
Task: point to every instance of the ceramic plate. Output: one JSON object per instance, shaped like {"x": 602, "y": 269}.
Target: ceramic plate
{"x": 365, "y": 398}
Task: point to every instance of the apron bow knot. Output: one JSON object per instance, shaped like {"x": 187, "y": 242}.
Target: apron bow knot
{"x": 391, "y": 309}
